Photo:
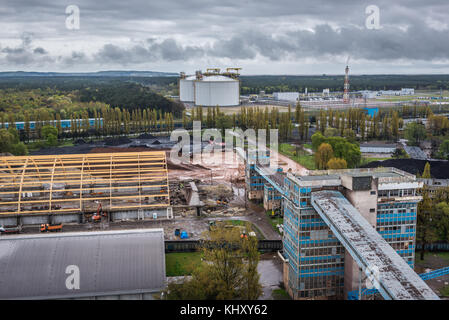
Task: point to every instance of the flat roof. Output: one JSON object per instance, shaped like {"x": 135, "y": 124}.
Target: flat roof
{"x": 396, "y": 278}
{"x": 316, "y": 178}
{"x": 109, "y": 263}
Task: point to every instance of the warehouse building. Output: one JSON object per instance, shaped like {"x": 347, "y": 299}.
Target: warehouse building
{"x": 211, "y": 88}
{"x": 85, "y": 265}
{"x": 387, "y": 148}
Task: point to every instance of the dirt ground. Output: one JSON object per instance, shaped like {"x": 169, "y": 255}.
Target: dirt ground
{"x": 433, "y": 261}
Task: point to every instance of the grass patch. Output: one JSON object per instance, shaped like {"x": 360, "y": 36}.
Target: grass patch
{"x": 243, "y": 223}
{"x": 301, "y": 157}
{"x": 443, "y": 255}
{"x": 280, "y": 294}
{"x": 181, "y": 263}
{"x": 237, "y": 222}
{"x": 275, "y": 221}
{"x": 66, "y": 143}
{"x": 368, "y": 160}
{"x": 444, "y": 291}
{"x": 308, "y": 146}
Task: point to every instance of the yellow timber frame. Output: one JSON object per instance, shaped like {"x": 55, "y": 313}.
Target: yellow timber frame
{"x": 80, "y": 182}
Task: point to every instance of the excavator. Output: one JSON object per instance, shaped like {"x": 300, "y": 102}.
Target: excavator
{"x": 97, "y": 217}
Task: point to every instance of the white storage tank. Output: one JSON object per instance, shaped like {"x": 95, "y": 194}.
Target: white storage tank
{"x": 286, "y": 96}
{"x": 187, "y": 89}
{"x": 216, "y": 90}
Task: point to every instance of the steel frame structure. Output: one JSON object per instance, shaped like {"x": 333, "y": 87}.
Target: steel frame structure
{"x": 80, "y": 182}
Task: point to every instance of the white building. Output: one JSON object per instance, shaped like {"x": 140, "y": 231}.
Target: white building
{"x": 286, "y": 96}
{"x": 187, "y": 89}
{"x": 407, "y": 91}
{"x": 367, "y": 94}
{"x": 217, "y": 90}
{"x": 210, "y": 90}
{"x": 402, "y": 92}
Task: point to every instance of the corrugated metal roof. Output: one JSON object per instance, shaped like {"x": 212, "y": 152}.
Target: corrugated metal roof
{"x": 415, "y": 152}
{"x": 109, "y": 262}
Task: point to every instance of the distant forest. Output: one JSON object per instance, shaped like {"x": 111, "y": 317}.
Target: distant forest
{"x": 253, "y": 84}
{"x": 70, "y": 95}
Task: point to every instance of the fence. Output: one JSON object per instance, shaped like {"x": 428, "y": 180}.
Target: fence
{"x": 434, "y": 246}
{"x": 193, "y": 245}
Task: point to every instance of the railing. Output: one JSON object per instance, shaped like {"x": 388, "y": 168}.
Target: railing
{"x": 354, "y": 295}
{"x": 434, "y": 246}
{"x": 194, "y": 245}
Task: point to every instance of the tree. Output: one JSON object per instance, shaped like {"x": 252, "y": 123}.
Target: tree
{"x": 50, "y": 135}
{"x": 27, "y": 126}
{"x": 348, "y": 151}
{"x": 337, "y": 163}
{"x": 317, "y": 140}
{"x": 230, "y": 270}
{"x": 331, "y": 132}
{"x": 399, "y": 153}
{"x": 426, "y": 225}
{"x": 58, "y": 122}
{"x": 415, "y": 133}
{"x": 9, "y": 142}
{"x": 323, "y": 155}
{"x": 426, "y": 172}
{"x": 444, "y": 149}
{"x": 395, "y": 125}
{"x": 442, "y": 218}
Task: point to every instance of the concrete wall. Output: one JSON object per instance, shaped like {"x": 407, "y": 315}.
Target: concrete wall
{"x": 136, "y": 296}
{"x": 363, "y": 201}
{"x": 255, "y": 195}
{"x": 36, "y": 219}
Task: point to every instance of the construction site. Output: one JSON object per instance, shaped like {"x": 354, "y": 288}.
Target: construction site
{"x": 329, "y": 245}
{"x": 124, "y": 186}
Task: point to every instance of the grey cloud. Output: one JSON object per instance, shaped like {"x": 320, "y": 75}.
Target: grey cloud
{"x": 168, "y": 50}
{"x": 225, "y": 29}
{"x": 40, "y": 50}
{"x": 24, "y": 54}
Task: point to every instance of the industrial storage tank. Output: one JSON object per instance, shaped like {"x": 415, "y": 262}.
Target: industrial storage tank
{"x": 187, "y": 89}
{"x": 216, "y": 90}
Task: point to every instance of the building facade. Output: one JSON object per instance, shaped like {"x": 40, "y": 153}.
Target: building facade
{"x": 316, "y": 264}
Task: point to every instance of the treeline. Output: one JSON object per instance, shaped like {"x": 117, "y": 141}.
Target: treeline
{"x": 69, "y": 97}
{"x": 129, "y": 96}
{"x": 270, "y": 84}
{"x": 433, "y": 214}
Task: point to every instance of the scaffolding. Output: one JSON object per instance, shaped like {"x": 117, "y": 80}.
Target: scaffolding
{"x": 81, "y": 182}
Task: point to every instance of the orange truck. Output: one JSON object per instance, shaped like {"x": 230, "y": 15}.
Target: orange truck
{"x": 51, "y": 227}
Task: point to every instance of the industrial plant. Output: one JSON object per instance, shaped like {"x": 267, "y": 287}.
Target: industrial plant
{"x": 212, "y": 88}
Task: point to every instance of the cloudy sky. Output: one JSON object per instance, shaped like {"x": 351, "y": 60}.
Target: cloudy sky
{"x": 263, "y": 37}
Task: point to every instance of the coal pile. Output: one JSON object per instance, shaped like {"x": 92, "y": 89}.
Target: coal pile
{"x": 80, "y": 141}
{"x": 116, "y": 141}
{"x": 438, "y": 169}
{"x": 146, "y": 136}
